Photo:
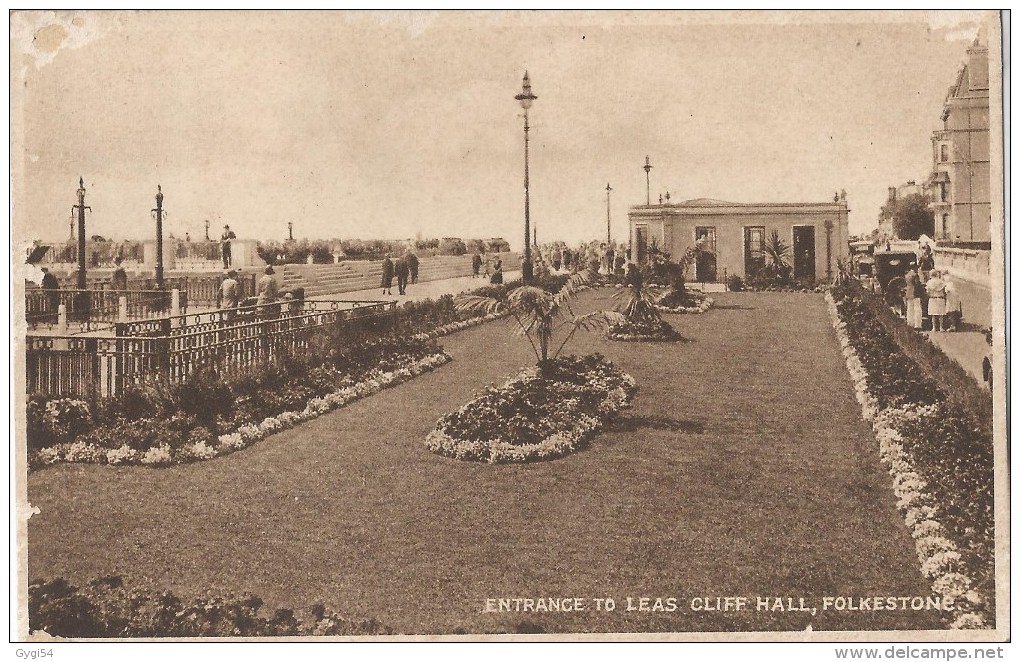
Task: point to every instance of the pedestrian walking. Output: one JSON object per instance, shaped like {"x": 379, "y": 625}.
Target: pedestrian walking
{"x": 118, "y": 281}
{"x": 912, "y": 298}
{"x": 403, "y": 272}
{"x": 954, "y": 306}
{"x": 387, "y": 275}
{"x": 267, "y": 291}
{"x": 229, "y": 295}
{"x": 497, "y": 273}
{"x": 51, "y": 286}
{"x": 476, "y": 265}
{"x": 225, "y": 238}
{"x": 412, "y": 266}
{"x": 926, "y": 264}
{"x": 936, "y": 289}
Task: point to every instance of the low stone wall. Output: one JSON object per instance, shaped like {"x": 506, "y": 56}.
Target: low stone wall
{"x": 974, "y": 265}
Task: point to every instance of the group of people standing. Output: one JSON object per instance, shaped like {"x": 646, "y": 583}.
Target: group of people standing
{"x": 405, "y": 269}
{"x": 924, "y": 281}
{"x": 267, "y": 292}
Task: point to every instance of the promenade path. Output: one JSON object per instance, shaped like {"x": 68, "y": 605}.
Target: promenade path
{"x": 744, "y": 469}
{"x": 417, "y": 292}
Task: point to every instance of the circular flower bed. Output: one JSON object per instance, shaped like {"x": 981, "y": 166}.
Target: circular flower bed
{"x": 536, "y": 416}
{"x": 643, "y": 331}
{"x": 690, "y": 304}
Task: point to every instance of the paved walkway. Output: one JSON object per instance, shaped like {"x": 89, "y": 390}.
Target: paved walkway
{"x": 968, "y": 347}
{"x": 744, "y": 469}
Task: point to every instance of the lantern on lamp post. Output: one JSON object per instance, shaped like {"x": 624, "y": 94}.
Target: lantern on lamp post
{"x": 526, "y": 98}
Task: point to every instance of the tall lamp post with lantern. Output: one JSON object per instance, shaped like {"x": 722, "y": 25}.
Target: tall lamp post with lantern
{"x": 158, "y": 215}
{"x": 526, "y": 98}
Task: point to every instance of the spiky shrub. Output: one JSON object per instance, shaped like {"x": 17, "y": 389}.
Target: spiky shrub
{"x": 777, "y": 253}
{"x": 539, "y": 315}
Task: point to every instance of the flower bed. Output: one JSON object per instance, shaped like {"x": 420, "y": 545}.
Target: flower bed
{"x": 105, "y": 608}
{"x": 665, "y": 305}
{"x": 536, "y": 416}
{"x": 643, "y": 331}
{"x": 941, "y": 463}
{"x": 169, "y": 444}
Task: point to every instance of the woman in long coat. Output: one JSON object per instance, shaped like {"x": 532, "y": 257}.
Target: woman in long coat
{"x": 912, "y": 296}
{"x": 387, "y": 275}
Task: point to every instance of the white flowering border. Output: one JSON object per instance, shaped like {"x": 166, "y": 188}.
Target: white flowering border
{"x": 454, "y": 327}
{"x": 705, "y": 304}
{"x": 938, "y": 556}
{"x": 246, "y": 435}
{"x": 557, "y": 445}
{"x": 819, "y": 289}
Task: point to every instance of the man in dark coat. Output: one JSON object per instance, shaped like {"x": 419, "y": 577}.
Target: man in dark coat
{"x": 52, "y": 287}
{"x": 412, "y": 266}
{"x": 402, "y": 272}
{"x": 225, "y": 238}
{"x": 119, "y": 279}
{"x": 387, "y": 275}
{"x": 476, "y": 265}
{"x": 497, "y": 272}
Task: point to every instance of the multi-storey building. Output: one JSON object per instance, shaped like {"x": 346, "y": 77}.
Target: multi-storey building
{"x": 959, "y": 186}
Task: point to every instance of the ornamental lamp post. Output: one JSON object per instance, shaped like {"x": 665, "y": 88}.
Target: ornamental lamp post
{"x": 609, "y": 238}
{"x": 207, "y": 229}
{"x": 526, "y": 98}
{"x": 290, "y": 230}
{"x": 80, "y": 208}
{"x": 828, "y": 250}
{"x": 648, "y": 182}
{"x": 158, "y": 213}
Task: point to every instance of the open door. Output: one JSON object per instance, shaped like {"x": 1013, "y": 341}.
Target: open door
{"x": 804, "y": 252}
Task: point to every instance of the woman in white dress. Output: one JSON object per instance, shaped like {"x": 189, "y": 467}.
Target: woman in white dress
{"x": 936, "y": 288}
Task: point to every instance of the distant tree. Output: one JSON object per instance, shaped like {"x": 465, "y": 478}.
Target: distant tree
{"x": 475, "y": 246}
{"x": 498, "y": 245}
{"x": 911, "y": 217}
{"x": 452, "y": 246}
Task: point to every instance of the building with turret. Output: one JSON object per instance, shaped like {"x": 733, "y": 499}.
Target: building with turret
{"x": 959, "y": 187}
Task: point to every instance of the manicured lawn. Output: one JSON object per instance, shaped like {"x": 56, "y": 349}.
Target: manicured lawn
{"x": 743, "y": 470}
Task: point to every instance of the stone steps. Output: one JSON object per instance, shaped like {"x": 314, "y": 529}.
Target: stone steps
{"x": 330, "y": 279}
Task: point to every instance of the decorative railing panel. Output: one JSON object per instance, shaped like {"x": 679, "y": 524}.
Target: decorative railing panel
{"x": 173, "y": 348}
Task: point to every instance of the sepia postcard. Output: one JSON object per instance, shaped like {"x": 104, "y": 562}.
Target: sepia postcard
{"x": 479, "y": 326}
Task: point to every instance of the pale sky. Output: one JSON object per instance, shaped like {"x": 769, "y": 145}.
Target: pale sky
{"x": 385, "y": 125}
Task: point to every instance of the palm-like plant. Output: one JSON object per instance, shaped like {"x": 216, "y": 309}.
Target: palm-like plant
{"x": 540, "y": 315}
{"x": 777, "y": 251}
{"x": 637, "y": 304}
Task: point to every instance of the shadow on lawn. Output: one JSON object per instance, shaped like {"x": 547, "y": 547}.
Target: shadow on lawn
{"x": 634, "y": 423}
